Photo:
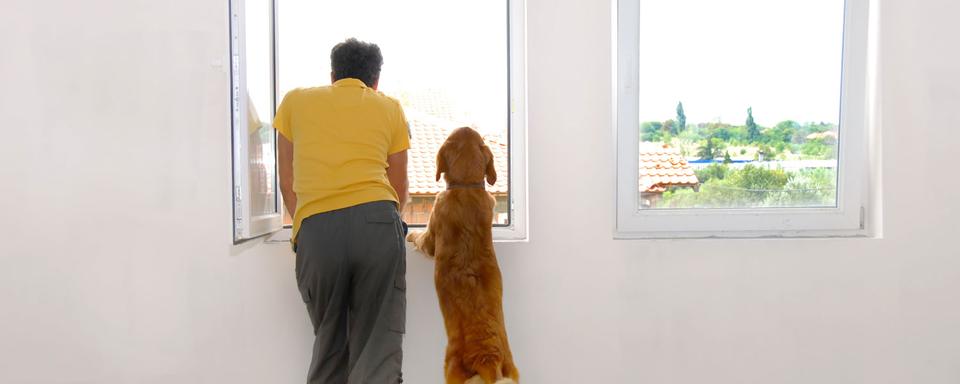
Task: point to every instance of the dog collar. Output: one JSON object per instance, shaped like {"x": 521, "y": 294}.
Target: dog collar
{"x": 465, "y": 186}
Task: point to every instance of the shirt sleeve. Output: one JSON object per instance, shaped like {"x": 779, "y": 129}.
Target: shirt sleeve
{"x": 281, "y": 122}
{"x": 401, "y": 133}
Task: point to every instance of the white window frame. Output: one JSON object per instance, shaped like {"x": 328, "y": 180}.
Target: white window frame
{"x": 517, "y": 132}
{"x": 846, "y": 219}
{"x": 517, "y": 230}
{"x": 246, "y": 225}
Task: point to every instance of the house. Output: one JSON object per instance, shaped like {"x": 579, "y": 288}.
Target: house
{"x": 427, "y": 135}
{"x": 662, "y": 167}
{"x": 432, "y": 114}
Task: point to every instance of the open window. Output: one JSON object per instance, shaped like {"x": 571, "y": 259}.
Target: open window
{"x": 450, "y": 64}
{"x": 256, "y": 198}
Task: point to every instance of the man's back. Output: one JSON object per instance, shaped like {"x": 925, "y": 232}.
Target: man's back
{"x": 341, "y": 135}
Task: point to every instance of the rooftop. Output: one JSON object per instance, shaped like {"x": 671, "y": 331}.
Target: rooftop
{"x": 662, "y": 166}
{"x": 427, "y": 135}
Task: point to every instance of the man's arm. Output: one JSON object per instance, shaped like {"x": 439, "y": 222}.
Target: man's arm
{"x": 285, "y": 157}
{"x": 397, "y": 173}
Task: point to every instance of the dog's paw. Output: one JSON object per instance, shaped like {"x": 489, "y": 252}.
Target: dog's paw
{"x": 505, "y": 380}
{"x": 413, "y": 236}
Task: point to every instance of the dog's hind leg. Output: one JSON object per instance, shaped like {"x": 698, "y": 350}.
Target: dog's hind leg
{"x": 454, "y": 372}
{"x": 510, "y": 372}
{"x": 490, "y": 368}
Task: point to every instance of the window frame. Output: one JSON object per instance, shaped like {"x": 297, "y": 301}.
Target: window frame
{"x": 846, "y": 219}
{"x": 517, "y": 229}
{"x": 247, "y": 226}
{"x": 517, "y": 128}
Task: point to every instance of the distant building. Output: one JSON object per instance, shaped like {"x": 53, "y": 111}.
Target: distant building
{"x": 826, "y": 136}
{"x": 432, "y": 116}
{"x": 427, "y": 135}
{"x": 662, "y": 167}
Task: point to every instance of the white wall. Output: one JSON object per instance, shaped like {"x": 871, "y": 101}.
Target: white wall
{"x": 116, "y": 264}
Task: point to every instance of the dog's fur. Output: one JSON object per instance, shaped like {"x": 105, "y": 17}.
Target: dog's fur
{"x": 467, "y": 276}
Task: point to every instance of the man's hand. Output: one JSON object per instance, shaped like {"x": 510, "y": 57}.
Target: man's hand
{"x": 397, "y": 173}
{"x": 285, "y": 165}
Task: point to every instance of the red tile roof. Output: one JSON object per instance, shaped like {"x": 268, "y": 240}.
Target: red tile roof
{"x": 427, "y": 135}
{"x": 662, "y": 166}
{"x": 433, "y": 114}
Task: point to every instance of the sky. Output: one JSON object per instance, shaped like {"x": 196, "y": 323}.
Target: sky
{"x": 720, "y": 57}
{"x": 780, "y": 57}
{"x": 455, "y": 45}
{"x": 257, "y": 55}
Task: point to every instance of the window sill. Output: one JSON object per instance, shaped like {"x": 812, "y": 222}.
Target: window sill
{"x": 500, "y": 235}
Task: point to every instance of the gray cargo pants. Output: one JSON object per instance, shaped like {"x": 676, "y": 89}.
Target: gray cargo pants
{"x": 351, "y": 271}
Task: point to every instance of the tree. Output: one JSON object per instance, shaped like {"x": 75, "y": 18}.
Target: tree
{"x": 712, "y": 171}
{"x": 753, "y": 131}
{"x": 706, "y": 151}
{"x": 651, "y": 131}
{"x": 749, "y": 186}
{"x": 669, "y": 127}
{"x": 711, "y": 148}
{"x": 681, "y": 118}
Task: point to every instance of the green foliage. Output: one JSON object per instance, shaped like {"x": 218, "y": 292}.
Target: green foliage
{"x": 817, "y": 148}
{"x": 725, "y": 132}
{"x": 752, "y": 186}
{"x": 651, "y": 131}
{"x": 670, "y": 127}
{"x": 753, "y": 130}
{"x": 808, "y": 187}
{"x": 759, "y": 178}
{"x": 692, "y": 135}
{"x": 681, "y": 118}
{"x": 711, "y": 148}
{"x": 783, "y": 132}
{"x": 712, "y": 171}
{"x": 764, "y": 153}
{"x": 806, "y": 129}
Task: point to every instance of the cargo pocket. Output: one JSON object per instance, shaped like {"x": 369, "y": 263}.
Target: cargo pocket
{"x": 311, "y": 310}
{"x": 398, "y": 309}
{"x": 396, "y": 304}
{"x": 386, "y": 217}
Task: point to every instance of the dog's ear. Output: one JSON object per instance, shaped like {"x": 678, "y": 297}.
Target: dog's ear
{"x": 491, "y": 171}
{"x": 441, "y": 161}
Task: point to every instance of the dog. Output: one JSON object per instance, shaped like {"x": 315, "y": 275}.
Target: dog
{"x": 459, "y": 237}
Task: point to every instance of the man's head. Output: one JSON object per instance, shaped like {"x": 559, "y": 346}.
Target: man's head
{"x": 356, "y": 59}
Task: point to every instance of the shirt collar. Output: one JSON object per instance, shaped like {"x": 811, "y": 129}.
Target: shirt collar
{"x": 349, "y": 82}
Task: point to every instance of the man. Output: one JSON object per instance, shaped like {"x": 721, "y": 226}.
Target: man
{"x": 343, "y": 175}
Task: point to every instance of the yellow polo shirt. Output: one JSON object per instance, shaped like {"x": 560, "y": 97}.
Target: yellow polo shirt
{"x": 341, "y": 137}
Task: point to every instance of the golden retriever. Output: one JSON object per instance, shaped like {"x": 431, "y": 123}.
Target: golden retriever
{"x": 466, "y": 275}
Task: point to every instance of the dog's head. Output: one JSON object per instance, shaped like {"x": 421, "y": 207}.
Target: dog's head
{"x": 465, "y": 159}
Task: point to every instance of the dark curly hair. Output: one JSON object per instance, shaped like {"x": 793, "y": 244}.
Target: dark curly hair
{"x": 356, "y": 59}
